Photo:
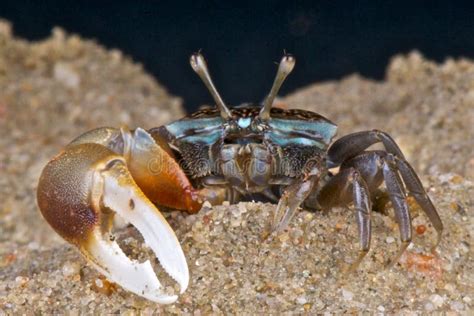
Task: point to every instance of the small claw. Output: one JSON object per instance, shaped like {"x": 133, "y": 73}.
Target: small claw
{"x": 291, "y": 199}
{"x": 283, "y": 214}
{"x": 78, "y": 193}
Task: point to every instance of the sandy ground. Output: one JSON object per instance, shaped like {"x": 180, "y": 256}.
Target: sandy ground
{"x": 53, "y": 90}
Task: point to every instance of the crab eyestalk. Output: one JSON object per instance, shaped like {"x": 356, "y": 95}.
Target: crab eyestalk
{"x": 287, "y": 64}
{"x": 198, "y": 63}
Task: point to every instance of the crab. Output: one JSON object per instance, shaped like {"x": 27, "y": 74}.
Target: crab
{"x": 251, "y": 151}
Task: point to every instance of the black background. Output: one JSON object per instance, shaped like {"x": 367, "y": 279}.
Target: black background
{"x": 242, "y": 40}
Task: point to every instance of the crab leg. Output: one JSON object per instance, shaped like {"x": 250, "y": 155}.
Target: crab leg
{"x": 295, "y": 194}
{"x": 350, "y": 145}
{"x": 415, "y": 188}
{"x": 397, "y": 195}
{"x": 79, "y": 192}
{"x": 364, "y": 173}
{"x": 349, "y": 185}
{"x": 350, "y": 150}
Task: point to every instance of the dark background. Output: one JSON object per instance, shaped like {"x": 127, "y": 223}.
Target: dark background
{"x": 241, "y": 41}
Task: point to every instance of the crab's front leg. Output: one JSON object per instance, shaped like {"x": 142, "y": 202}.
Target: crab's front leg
{"x": 294, "y": 195}
{"x": 106, "y": 172}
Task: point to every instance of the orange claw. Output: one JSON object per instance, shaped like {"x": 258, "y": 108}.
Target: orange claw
{"x": 159, "y": 175}
{"x": 82, "y": 189}
{"x": 63, "y": 193}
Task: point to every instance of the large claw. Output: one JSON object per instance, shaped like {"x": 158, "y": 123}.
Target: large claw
{"x": 79, "y": 192}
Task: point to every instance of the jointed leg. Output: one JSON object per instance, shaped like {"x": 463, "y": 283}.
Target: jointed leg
{"x": 295, "y": 194}
{"x": 351, "y": 145}
{"x": 397, "y": 196}
{"x": 370, "y": 163}
{"x": 415, "y": 188}
{"x": 375, "y": 167}
{"x": 349, "y": 185}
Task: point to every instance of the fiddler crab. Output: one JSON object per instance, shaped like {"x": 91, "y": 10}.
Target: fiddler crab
{"x": 224, "y": 153}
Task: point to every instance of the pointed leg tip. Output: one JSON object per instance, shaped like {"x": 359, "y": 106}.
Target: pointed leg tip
{"x": 356, "y": 264}
{"x": 438, "y": 241}
{"x": 391, "y": 264}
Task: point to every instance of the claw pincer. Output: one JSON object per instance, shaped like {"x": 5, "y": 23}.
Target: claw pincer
{"x": 85, "y": 186}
